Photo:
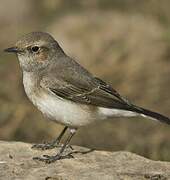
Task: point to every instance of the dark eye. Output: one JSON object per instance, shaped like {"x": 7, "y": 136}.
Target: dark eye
{"x": 35, "y": 48}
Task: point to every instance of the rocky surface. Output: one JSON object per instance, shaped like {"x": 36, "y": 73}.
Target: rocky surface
{"x": 16, "y": 163}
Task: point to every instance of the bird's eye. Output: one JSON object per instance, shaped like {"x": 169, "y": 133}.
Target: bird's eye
{"x": 35, "y": 48}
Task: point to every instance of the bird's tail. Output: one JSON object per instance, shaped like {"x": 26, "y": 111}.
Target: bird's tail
{"x": 151, "y": 115}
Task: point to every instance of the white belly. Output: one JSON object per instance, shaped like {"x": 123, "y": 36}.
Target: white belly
{"x": 64, "y": 111}
{"x": 72, "y": 114}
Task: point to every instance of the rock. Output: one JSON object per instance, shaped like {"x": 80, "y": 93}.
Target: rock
{"x": 16, "y": 163}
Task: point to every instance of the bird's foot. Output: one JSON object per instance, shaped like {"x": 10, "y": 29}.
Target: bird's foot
{"x": 45, "y": 146}
{"x": 50, "y": 159}
{"x": 51, "y": 145}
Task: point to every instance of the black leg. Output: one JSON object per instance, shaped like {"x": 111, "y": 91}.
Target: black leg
{"x": 52, "y": 144}
{"x": 50, "y": 159}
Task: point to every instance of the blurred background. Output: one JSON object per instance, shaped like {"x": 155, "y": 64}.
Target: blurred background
{"x": 124, "y": 42}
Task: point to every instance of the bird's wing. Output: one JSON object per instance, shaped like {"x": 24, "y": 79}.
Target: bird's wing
{"x": 96, "y": 93}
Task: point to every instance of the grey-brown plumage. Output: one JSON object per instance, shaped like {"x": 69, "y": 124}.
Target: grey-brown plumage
{"x": 76, "y": 84}
{"x": 66, "y": 92}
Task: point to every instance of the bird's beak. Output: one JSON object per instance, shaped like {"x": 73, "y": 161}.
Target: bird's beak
{"x": 12, "y": 50}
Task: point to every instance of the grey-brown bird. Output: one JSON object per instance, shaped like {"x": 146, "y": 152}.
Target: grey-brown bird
{"x": 67, "y": 93}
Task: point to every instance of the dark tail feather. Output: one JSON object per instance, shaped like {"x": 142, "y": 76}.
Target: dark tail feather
{"x": 152, "y": 115}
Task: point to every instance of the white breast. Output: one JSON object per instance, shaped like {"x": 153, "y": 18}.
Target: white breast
{"x": 56, "y": 108}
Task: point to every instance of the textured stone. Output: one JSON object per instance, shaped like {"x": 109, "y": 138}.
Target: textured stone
{"x": 16, "y": 163}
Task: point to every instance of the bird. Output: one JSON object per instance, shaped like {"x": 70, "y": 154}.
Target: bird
{"x": 66, "y": 93}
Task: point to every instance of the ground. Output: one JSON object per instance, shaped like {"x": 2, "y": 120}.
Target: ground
{"x": 16, "y": 163}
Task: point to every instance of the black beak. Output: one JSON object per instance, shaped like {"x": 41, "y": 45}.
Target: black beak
{"x": 12, "y": 50}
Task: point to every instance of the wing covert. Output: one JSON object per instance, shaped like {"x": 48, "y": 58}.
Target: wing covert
{"x": 97, "y": 93}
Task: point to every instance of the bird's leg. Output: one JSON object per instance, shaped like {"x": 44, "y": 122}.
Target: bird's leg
{"x": 50, "y": 145}
{"x": 50, "y": 159}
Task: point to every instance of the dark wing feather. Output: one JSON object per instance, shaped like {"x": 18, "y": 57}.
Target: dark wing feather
{"x": 98, "y": 93}
{"x": 105, "y": 87}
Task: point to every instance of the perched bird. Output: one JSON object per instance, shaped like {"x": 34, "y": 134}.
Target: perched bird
{"x": 67, "y": 93}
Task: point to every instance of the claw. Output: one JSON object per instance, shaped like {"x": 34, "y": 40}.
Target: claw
{"x": 50, "y": 159}
{"x": 46, "y": 156}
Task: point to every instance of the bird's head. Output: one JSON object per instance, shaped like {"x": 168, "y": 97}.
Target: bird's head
{"x": 35, "y": 50}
